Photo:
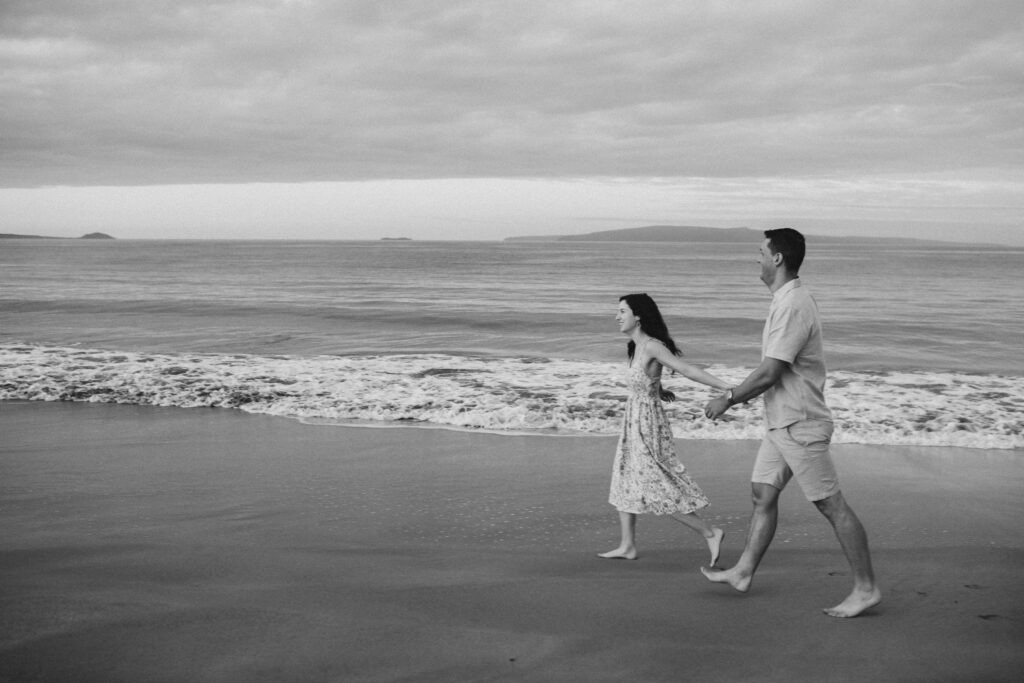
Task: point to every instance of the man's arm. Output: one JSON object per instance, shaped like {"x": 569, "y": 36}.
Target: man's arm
{"x": 757, "y": 382}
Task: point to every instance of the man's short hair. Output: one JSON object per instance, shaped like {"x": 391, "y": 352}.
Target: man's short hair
{"x": 790, "y": 244}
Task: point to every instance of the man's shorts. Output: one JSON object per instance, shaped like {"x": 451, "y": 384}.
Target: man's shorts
{"x": 799, "y": 450}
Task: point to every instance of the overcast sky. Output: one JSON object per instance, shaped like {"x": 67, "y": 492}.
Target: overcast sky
{"x": 483, "y": 120}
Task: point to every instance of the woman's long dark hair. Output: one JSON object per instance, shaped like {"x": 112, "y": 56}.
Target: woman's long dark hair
{"x": 653, "y": 325}
{"x": 651, "y": 322}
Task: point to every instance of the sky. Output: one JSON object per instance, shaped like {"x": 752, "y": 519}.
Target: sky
{"x": 308, "y": 119}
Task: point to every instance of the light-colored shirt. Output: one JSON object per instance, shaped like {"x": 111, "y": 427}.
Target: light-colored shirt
{"x": 792, "y": 333}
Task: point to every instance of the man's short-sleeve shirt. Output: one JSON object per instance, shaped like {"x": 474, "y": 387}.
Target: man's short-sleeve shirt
{"x": 792, "y": 333}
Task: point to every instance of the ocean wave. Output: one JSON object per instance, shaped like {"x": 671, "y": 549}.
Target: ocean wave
{"x": 505, "y": 394}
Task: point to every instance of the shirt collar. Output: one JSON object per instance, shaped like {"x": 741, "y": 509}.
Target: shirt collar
{"x": 786, "y": 289}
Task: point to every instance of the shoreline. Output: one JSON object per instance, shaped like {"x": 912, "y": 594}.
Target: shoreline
{"x": 504, "y": 395}
{"x": 565, "y": 434}
{"x": 147, "y": 543}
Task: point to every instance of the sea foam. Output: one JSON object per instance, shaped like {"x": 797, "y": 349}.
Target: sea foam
{"x": 505, "y": 394}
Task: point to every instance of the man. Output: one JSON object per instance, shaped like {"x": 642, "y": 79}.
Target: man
{"x": 799, "y": 426}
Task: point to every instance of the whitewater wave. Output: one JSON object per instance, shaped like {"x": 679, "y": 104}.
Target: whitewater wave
{"x": 505, "y": 394}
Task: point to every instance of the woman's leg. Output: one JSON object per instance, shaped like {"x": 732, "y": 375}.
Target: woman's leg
{"x": 712, "y": 534}
{"x": 627, "y": 545}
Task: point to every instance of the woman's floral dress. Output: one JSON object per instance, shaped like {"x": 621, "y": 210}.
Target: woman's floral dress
{"x": 646, "y": 475}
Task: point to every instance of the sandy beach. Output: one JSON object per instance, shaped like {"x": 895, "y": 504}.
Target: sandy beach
{"x": 157, "y": 544}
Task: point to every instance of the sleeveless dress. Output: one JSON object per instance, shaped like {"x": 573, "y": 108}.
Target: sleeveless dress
{"x": 647, "y": 477}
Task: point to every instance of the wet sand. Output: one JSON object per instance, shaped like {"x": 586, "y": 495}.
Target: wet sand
{"x": 156, "y": 544}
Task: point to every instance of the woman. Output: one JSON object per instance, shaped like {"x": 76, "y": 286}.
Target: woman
{"x": 647, "y": 477}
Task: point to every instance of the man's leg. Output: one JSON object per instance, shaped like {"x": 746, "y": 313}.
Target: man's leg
{"x": 854, "y": 541}
{"x": 763, "y": 522}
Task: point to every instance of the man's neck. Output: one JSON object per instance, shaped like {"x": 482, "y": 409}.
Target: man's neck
{"x": 782, "y": 278}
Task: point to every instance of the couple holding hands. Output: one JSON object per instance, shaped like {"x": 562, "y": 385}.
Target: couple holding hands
{"x": 647, "y": 477}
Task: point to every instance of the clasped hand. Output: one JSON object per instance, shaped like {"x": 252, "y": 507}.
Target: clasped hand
{"x": 716, "y": 407}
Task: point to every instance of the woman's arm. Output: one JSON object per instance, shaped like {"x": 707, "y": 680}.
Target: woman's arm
{"x": 661, "y": 354}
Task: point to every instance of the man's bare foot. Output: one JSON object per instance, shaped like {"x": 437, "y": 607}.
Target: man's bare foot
{"x": 715, "y": 545}
{"x": 628, "y": 553}
{"x": 729, "y": 576}
{"x": 855, "y": 603}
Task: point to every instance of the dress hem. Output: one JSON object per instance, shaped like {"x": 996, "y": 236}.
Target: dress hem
{"x": 680, "y": 511}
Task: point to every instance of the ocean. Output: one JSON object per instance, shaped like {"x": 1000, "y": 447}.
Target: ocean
{"x": 923, "y": 342}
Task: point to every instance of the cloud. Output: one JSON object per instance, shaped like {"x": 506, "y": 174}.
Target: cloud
{"x": 121, "y": 93}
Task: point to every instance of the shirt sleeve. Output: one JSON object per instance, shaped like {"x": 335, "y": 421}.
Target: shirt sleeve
{"x": 788, "y": 332}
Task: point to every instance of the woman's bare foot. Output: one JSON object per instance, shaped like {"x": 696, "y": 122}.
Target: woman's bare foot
{"x": 729, "y": 576}
{"x": 855, "y": 603}
{"x": 715, "y": 544}
{"x": 620, "y": 553}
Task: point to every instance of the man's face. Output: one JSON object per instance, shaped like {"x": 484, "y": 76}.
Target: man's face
{"x": 769, "y": 262}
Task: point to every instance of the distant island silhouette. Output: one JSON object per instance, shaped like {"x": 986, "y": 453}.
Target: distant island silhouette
{"x": 693, "y": 233}
{"x": 89, "y": 236}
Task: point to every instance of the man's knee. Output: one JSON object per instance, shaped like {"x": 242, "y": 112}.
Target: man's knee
{"x": 764, "y": 495}
{"x": 833, "y": 506}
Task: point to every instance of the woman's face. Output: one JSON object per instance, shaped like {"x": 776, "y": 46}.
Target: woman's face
{"x": 627, "y": 321}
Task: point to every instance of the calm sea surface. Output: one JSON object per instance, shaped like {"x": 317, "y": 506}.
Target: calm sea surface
{"x": 923, "y": 344}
